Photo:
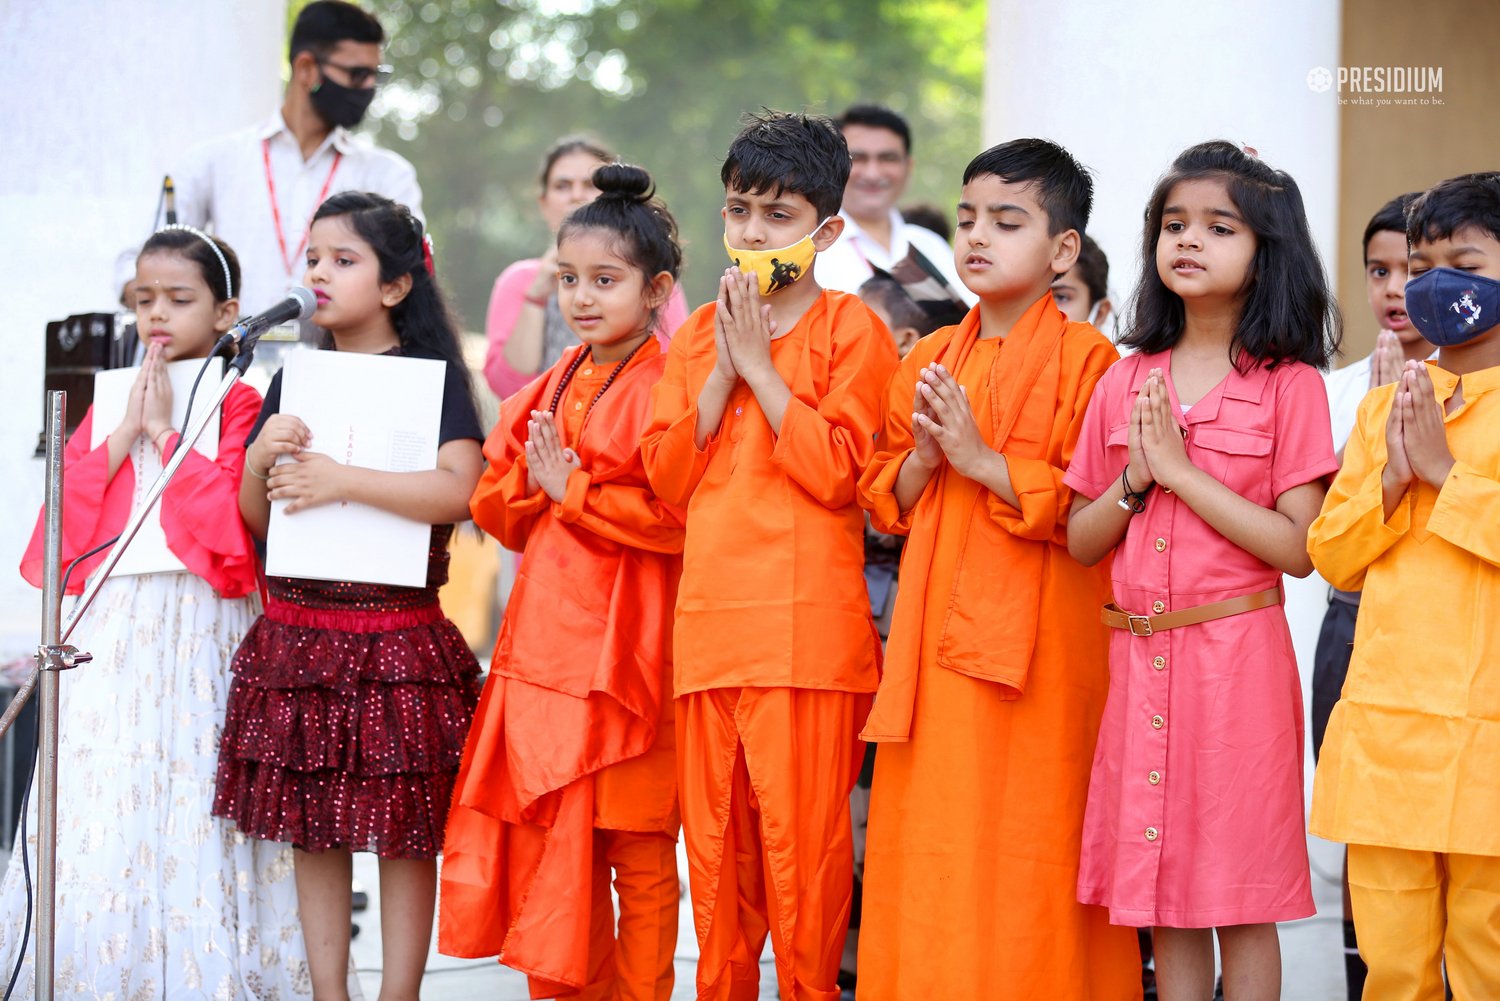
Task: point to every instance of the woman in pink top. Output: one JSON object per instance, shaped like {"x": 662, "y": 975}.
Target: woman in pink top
{"x": 526, "y": 331}
{"x": 1202, "y": 458}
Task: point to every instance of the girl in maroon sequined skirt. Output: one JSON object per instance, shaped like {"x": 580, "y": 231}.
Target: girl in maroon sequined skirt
{"x": 350, "y": 702}
{"x": 347, "y": 716}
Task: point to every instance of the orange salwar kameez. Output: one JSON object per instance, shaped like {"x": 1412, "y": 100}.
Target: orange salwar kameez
{"x": 569, "y": 768}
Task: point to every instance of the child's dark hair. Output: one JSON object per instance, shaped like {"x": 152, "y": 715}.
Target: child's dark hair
{"x": 876, "y": 116}
{"x": 642, "y": 230}
{"x": 195, "y": 247}
{"x": 884, "y": 291}
{"x": 423, "y": 322}
{"x": 1288, "y": 312}
{"x": 1390, "y": 219}
{"x": 1092, "y": 268}
{"x": 930, "y": 217}
{"x": 574, "y": 144}
{"x": 1063, "y": 185}
{"x": 1455, "y": 204}
{"x": 323, "y": 24}
{"x": 781, "y": 152}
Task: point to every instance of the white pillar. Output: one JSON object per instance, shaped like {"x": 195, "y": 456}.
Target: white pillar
{"x": 1128, "y": 86}
{"x": 100, "y": 99}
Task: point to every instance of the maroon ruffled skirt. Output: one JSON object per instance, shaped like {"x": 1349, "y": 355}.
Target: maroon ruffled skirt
{"x": 345, "y": 726}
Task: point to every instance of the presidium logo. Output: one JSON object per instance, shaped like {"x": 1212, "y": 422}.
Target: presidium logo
{"x": 1380, "y": 86}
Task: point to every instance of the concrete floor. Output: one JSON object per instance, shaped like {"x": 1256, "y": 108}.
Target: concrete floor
{"x": 1312, "y": 950}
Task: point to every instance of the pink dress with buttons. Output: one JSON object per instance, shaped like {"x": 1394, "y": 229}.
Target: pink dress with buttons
{"x": 1195, "y": 808}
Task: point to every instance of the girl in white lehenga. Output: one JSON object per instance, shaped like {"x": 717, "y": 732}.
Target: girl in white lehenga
{"x": 157, "y": 898}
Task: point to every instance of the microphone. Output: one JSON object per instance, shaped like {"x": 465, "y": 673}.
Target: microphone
{"x": 299, "y": 304}
{"x": 169, "y": 196}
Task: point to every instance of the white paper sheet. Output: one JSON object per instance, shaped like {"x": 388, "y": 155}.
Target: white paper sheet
{"x": 377, "y": 411}
{"x": 148, "y": 552}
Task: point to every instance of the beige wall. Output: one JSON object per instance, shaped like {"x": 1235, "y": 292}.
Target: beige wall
{"x": 1385, "y": 150}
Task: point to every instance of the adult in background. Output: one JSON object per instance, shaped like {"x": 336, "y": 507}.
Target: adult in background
{"x": 258, "y": 188}
{"x": 875, "y": 234}
{"x": 526, "y": 330}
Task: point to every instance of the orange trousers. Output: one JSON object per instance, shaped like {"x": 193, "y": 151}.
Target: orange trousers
{"x": 633, "y": 963}
{"x": 764, "y": 782}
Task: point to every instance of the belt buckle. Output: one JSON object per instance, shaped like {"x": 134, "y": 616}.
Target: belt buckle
{"x": 1131, "y": 620}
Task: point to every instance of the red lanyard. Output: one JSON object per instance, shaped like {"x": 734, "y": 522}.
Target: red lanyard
{"x": 265, "y": 155}
{"x": 854, "y": 244}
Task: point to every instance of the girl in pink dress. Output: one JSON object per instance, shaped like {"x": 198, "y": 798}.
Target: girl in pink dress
{"x": 1201, "y": 458}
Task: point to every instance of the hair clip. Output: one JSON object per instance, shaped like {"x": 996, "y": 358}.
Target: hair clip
{"x": 1249, "y": 151}
{"x": 427, "y": 254}
{"x": 223, "y": 261}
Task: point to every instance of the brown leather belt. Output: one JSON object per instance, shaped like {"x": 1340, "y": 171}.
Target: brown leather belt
{"x": 1144, "y": 625}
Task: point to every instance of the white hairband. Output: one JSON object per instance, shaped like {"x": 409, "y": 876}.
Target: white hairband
{"x": 223, "y": 261}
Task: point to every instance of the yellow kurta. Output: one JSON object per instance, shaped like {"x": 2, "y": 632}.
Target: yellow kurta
{"x": 1413, "y": 746}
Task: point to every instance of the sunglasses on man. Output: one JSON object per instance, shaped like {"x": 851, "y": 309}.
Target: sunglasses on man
{"x": 360, "y": 77}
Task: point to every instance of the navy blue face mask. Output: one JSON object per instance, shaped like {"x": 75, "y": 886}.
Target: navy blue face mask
{"x": 1449, "y": 307}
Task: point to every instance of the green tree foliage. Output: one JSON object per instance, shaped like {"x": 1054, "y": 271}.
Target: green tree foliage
{"x": 482, "y": 88}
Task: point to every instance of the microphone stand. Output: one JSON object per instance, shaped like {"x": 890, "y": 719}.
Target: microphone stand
{"x": 54, "y": 655}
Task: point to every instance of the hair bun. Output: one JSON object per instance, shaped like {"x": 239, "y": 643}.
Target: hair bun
{"x": 625, "y": 182}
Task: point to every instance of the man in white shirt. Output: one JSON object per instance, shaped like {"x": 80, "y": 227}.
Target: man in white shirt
{"x": 257, "y": 189}
{"x": 875, "y": 235}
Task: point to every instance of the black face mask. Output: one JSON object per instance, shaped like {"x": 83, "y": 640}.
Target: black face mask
{"x": 339, "y": 105}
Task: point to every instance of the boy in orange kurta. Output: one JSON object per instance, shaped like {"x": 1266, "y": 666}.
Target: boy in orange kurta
{"x": 568, "y": 772}
{"x": 997, "y": 666}
{"x": 761, "y": 425}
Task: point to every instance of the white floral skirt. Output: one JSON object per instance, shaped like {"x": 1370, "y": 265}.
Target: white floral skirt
{"x": 156, "y": 898}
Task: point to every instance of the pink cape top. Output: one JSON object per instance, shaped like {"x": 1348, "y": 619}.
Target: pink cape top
{"x": 200, "y": 511}
{"x": 1194, "y": 815}
{"x": 506, "y": 301}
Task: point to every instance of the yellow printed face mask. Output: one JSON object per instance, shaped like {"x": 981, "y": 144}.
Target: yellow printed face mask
{"x": 776, "y": 269}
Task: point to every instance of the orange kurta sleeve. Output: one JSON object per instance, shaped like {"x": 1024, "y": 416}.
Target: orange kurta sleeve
{"x": 877, "y": 484}
{"x": 627, "y": 512}
{"x": 503, "y": 505}
{"x": 1038, "y": 482}
{"x": 1351, "y": 532}
{"x": 1464, "y": 514}
{"x": 672, "y": 459}
{"x": 825, "y": 449}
